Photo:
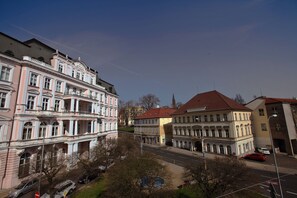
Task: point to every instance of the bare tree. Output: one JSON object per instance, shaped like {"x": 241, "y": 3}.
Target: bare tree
{"x": 220, "y": 175}
{"x": 126, "y": 178}
{"x": 149, "y": 101}
{"x": 50, "y": 165}
{"x": 239, "y": 99}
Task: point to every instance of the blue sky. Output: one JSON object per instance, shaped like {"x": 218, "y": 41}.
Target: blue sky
{"x": 167, "y": 47}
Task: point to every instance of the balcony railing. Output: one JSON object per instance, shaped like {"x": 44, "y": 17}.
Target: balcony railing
{"x": 89, "y": 96}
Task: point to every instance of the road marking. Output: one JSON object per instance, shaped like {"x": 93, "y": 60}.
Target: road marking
{"x": 291, "y": 193}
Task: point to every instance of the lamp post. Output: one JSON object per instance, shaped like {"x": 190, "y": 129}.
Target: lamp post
{"x": 274, "y": 156}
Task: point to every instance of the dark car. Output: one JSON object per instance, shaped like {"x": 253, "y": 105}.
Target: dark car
{"x": 86, "y": 178}
{"x": 256, "y": 157}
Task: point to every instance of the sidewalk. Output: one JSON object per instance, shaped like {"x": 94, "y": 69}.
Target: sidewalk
{"x": 286, "y": 164}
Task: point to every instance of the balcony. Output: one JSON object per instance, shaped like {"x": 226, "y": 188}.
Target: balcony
{"x": 69, "y": 95}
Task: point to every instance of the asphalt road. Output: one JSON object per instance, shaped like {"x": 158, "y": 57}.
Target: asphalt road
{"x": 258, "y": 181}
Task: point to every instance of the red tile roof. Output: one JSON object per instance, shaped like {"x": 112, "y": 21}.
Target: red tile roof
{"x": 211, "y": 101}
{"x": 279, "y": 100}
{"x": 157, "y": 113}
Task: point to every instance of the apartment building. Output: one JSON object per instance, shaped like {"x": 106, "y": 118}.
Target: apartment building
{"x": 282, "y": 127}
{"x": 211, "y": 122}
{"x": 154, "y": 126}
{"x": 55, "y": 101}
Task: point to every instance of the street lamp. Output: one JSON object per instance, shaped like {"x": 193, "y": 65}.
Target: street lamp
{"x": 274, "y": 156}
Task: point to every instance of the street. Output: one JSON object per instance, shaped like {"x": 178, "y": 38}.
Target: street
{"x": 259, "y": 180}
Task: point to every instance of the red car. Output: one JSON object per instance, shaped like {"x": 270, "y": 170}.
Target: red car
{"x": 256, "y": 157}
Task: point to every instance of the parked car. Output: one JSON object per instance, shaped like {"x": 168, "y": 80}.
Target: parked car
{"x": 23, "y": 188}
{"x": 106, "y": 165}
{"x": 256, "y": 156}
{"x": 86, "y": 178}
{"x": 63, "y": 189}
{"x": 262, "y": 150}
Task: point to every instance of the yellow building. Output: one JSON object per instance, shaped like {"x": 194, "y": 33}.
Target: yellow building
{"x": 154, "y": 126}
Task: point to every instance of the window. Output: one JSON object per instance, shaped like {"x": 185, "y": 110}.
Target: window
{"x": 47, "y": 83}
{"x": 55, "y": 129}
{"x": 235, "y": 116}
{"x": 211, "y": 118}
{"x": 263, "y": 127}
{"x": 45, "y": 104}
{"x": 27, "y": 131}
{"x": 239, "y": 116}
{"x": 2, "y": 99}
{"x": 225, "y": 117}
{"x": 229, "y": 151}
{"x": 82, "y": 76}
{"x": 72, "y": 73}
{"x": 261, "y": 112}
{"x": 58, "y": 86}
{"x": 89, "y": 126}
{"x": 60, "y": 68}
{"x": 33, "y": 80}
{"x": 5, "y": 73}
{"x": 208, "y": 147}
{"x": 57, "y": 105}
{"x": 213, "y": 133}
{"x": 205, "y": 118}
{"x": 218, "y": 118}
{"x": 220, "y": 132}
{"x": 42, "y": 130}
{"x": 227, "y": 133}
{"x": 222, "y": 149}
{"x": 214, "y": 148}
{"x": 24, "y": 166}
{"x": 78, "y": 75}
{"x": 30, "y": 103}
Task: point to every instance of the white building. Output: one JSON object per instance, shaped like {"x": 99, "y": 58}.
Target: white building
{"x": 214, "y": 123}
{"x": 61, "y": 103}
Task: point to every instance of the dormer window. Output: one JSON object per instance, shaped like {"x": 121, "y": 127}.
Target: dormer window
{"x": 60, "y": 68}
{"x": 78, "y": 75}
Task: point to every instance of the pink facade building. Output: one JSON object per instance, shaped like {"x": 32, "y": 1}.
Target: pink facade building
{"x": 50, "y": 99}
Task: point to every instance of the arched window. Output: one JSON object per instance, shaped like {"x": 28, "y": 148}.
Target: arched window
{"x": 229, "y": 151}
{"x": 55, "y": 129}
{"x": 27, "y": 131}
{"x": 222, "y": 149}
{"x": 215, "y": 148}
{"x": 42, "y": 130}
{"x": 24, "y": 166}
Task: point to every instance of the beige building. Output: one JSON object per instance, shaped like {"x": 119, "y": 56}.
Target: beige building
{"x": 282, "y": 127}
{"x": 211, "y": 122}
{"x": 154, "y": 126}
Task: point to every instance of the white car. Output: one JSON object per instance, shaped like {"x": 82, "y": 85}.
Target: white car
{"x": 23, "y": 188}
{"x": 62, "y": 189}
{"x": 264, "y": 151}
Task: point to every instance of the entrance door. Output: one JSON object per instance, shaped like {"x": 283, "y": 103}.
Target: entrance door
{"x": 198, "y": 146}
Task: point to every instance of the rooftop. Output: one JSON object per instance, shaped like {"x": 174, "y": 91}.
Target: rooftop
{"x": 210, "y": 101}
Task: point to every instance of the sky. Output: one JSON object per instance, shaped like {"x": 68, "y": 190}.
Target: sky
{"x": 166, "y": 47}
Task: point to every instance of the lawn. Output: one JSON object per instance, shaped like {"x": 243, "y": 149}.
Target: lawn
{"x": 92, "y": 190}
